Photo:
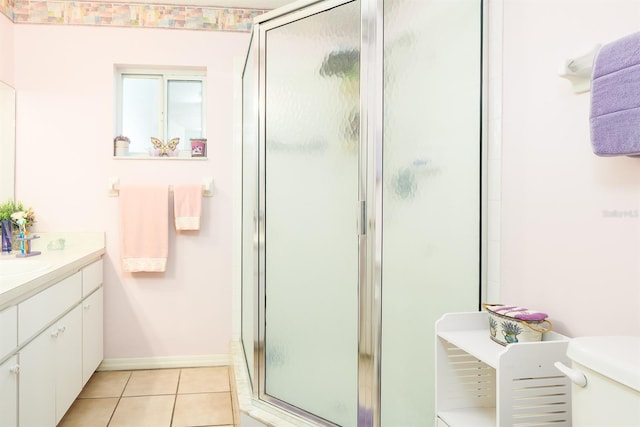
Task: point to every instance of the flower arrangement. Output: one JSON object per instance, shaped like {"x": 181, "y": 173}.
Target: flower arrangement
{"x": 17, "y": 213}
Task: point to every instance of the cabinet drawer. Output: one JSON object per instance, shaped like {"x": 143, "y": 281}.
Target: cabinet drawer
{"x": 41, "y": 309}
{"x": 91, "y": 277}
{"x": 8, "y": 330}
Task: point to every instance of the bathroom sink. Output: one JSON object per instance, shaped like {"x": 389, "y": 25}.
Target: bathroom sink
{"x": 17, "y": 267}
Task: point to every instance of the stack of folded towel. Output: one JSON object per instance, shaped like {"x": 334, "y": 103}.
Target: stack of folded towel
{"x": 615, "y": 98}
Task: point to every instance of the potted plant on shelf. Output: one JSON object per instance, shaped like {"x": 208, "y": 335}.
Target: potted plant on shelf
{"x": 10, "y": 213}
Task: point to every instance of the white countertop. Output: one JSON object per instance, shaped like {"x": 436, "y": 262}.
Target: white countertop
{"x": 80, "y": 249}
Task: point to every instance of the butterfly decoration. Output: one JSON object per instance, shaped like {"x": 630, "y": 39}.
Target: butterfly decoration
{"x": 171, "y": 145}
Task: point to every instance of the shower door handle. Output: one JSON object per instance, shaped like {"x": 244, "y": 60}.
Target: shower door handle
{"x": 362, "y": 226}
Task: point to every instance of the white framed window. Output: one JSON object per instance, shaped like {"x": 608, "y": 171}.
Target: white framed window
{"x": 160, "y": 103}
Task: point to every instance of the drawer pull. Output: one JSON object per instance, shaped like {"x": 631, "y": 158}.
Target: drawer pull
{"x": 15, "y": 369}
{"x": 56, "y": 332}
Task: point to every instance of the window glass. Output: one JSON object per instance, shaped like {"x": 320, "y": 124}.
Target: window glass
{"x": 163, "y": 105}
{"x": 141, "y": 110}
{"x": 184, "y": 111}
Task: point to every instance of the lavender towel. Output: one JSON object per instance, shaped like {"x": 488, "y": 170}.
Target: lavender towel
{"x": 615, "y": 98}
{"x": 520, "y": 313}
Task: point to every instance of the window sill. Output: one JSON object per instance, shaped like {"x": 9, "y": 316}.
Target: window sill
{"x": 146, "y": 157}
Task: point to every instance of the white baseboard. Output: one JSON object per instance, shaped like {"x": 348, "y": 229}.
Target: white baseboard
{"x": 130, "y": 364}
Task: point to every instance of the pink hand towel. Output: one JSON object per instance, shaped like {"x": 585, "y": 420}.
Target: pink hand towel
{"x": 144, "y": 227}
{"x": 187, "y": 206}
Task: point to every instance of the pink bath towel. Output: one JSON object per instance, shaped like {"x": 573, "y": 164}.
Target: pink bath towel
{"x": 187, "y": 206}
{"x": 144, "y": 227}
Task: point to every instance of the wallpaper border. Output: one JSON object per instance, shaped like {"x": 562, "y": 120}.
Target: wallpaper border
{"x": 136, "y": 15}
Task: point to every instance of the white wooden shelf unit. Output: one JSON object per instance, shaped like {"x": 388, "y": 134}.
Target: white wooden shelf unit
{"x": 482, "y": 383}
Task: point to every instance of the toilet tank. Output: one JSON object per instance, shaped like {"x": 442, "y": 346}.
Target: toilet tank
{"x": 611, "y": 396}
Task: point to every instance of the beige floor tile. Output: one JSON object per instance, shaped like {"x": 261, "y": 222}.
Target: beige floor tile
{"x": 202, "y": 409}
{"x": 105, "y": 384}
{"x": 143, "y": 411}
{"x": 204, "y": 380}
{"x": 89, "y": 413}
{"x": 152, "y": 382}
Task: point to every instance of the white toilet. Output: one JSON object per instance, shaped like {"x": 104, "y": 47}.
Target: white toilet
{"x": 610, "y": 396}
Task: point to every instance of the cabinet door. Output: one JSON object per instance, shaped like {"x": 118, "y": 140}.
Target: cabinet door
{"x": 37, "y": 399}
{"x": 92, "y": 338}
{"x": 68, "y": 361}
{"x": 9, "y": 393}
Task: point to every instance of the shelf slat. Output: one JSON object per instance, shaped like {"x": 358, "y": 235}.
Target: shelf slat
{"x": 477, "y": 343}
{"x": 477, "y": 417}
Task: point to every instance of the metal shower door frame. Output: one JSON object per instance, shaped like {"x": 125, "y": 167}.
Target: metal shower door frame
{"x": 369, "y": 175}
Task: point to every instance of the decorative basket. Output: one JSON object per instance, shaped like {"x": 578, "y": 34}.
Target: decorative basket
{"x": 512, "y": 324}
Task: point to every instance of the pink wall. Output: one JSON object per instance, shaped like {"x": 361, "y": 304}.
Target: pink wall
{"x": 65, "y": 121}
{"x": 562, "y": 251}
{"x": 6, "y": 50}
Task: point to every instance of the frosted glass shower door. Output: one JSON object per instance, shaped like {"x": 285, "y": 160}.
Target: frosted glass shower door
{"x": 431, "y": 191}
{"x": 311, "y": 132}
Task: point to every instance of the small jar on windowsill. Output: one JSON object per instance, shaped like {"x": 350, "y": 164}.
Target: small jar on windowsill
{"x": 121, "y": 146}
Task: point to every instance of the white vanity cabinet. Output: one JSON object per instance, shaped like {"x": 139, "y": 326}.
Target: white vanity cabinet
{"x": 92, "y": 320}
{"x": 8, "y": 367}
{"x": 37, "y": 396}
{"x": 68, "y": 360}
{"x": 9, "y": 392}
{"x": 50, "y": 377}
{"x": 483, "y": 384}
{"x": 8, "y": 331}
{"x": 59, "y": 346}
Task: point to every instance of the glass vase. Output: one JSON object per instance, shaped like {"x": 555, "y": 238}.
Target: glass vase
{"x": 15, "y": 234}
{"x": 7, "y": 235}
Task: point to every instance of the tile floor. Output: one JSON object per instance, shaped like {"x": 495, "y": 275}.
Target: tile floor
{"x": 184, "y": 397}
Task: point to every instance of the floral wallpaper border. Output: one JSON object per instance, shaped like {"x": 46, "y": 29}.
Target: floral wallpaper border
{"x": 128, "y": 15}
{"x": 6, "y": 8}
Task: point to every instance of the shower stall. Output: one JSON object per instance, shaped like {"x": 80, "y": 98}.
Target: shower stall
{"x": 362, "y": 183}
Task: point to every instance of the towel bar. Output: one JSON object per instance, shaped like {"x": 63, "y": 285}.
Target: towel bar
{"x": 578, "y": 70}
{"x": 113, "y": 189}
